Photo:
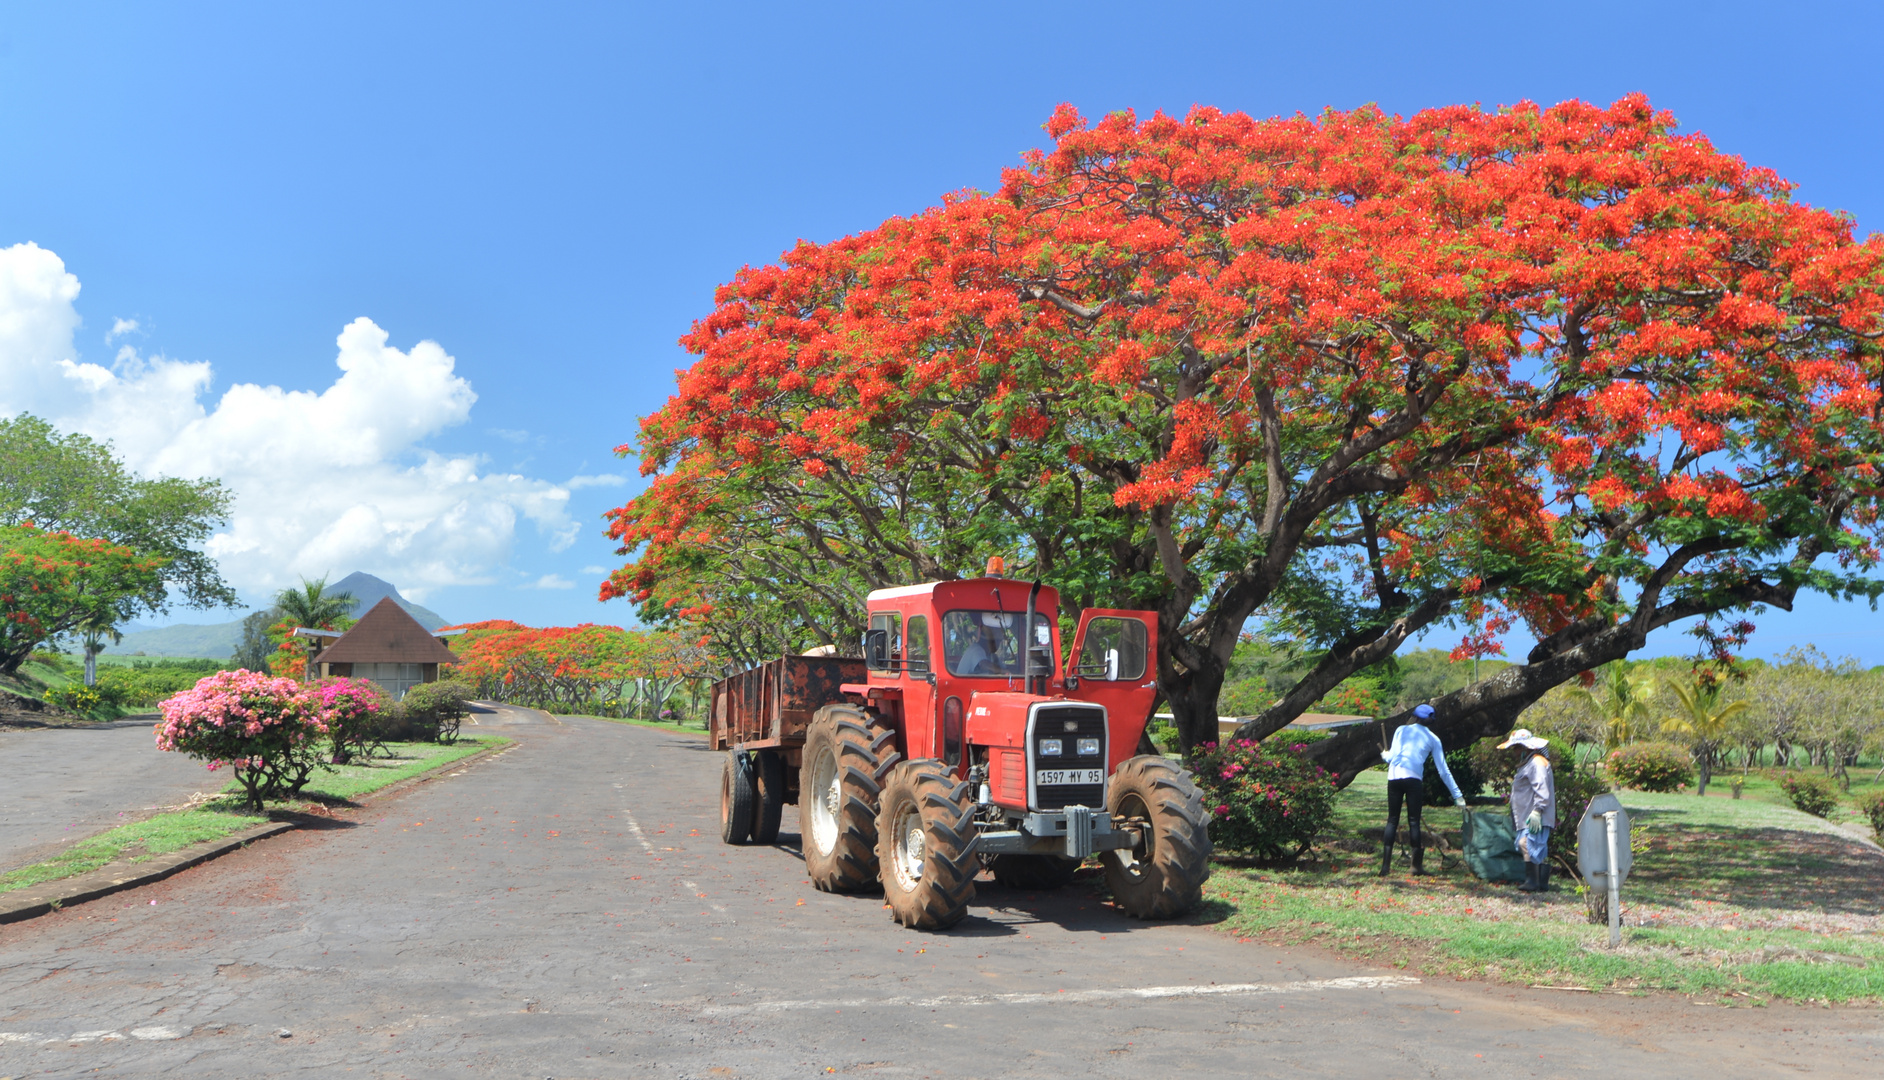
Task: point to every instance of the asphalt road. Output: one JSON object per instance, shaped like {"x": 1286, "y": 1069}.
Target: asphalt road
{"x": 60, "y": 784}
{"x": 565, "y": 909}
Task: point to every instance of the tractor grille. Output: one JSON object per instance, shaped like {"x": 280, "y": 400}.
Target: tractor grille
{"x": 1087, "y": 722}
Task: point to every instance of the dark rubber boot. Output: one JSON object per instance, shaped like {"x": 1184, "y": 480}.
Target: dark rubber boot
{"x": 1530, "y": 878}
{"x": 1419, "y": 858}
{"x": 1543, "y": 877}
{"x": 1386, "y": 859}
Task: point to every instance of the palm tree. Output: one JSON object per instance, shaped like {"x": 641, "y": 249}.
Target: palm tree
{"x": 313, "y": 606}
{"x": 1623, "y": 704}
{"x": 1703, "y": 719}
{"x": 92, "y": 633}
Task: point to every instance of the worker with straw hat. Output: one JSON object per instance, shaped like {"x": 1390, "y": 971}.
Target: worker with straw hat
{"x": 1533, "y": 806}
{"x": 1413, "y": 744}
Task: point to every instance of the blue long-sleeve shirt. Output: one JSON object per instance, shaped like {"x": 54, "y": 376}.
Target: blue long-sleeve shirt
{"x": 1406, "y": 760}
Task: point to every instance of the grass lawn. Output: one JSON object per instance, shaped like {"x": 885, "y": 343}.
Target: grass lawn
{"x": 678, "y": 727}
{"x": 228, "y": 812}
{"x": 1738, "y": 900}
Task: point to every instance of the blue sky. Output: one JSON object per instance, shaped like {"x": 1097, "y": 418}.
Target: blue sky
{"x": 550, "y": 193}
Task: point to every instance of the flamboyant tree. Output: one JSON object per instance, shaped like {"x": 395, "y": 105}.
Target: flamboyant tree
{"x": 54, "y": 583}
{"x": 1356, "y": 374}
{"x": 576, "y": 667}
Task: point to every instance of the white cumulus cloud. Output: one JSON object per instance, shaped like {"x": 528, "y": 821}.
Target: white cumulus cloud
{"x": 119, "y": 328}
{"x": 325, "y": 481}
{"x": 576, "y": 483}
{"x": 553, "y": 581}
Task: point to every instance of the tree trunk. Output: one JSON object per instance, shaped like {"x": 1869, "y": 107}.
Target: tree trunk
{"x": 1704, "y": 757}
{"x": 1193, "y": 701}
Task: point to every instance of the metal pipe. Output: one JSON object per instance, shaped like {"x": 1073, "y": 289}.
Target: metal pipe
{"x": 1027, "y": 645}
{"x": 1615, "y": 885}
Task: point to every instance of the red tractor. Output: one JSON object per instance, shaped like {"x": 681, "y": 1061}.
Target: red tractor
{"x": 959, "y": 741}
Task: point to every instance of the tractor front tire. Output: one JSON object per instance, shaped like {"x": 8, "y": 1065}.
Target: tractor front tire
{"x": 1164, "y": 875}
{"x": 1032, "y": 873}
{"x": 768, "y": 771}
{"x": 927, "y": 845}
{"x": 739, "y": 799}
{"x": 846, "y": 749}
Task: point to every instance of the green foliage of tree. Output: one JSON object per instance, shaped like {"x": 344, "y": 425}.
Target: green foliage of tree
{"x": 1624, "y": 699}
{"x": 1702, "y": 719}
{"x": 312, "y": 606}
{"x": 252, "y": 651}
{"x": 73, "y": 483}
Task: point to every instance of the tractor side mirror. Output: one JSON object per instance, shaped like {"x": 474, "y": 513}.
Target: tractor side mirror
{"x": 877, "y": 648}
{"x": 1112, "y": 665}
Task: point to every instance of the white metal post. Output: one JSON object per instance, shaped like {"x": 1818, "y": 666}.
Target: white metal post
{"x": 1615, "y": 888}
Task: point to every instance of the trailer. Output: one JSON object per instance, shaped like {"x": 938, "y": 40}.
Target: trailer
{"x": 759, "y": 717}
{"x": 964, "y": 739}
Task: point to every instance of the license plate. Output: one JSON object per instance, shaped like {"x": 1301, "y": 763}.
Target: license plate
{"x": 1045, "y": 777}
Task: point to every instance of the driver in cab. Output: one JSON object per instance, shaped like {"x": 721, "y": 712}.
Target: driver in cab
{"x": 987, "y": 652}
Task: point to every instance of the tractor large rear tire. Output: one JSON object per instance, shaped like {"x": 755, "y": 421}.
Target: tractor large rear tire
{"x": 739, "y": 798}
{"x": 846, "y": 751}
{"x": 768, "y": 772}
{"x": 1032, "y": 873}
{"x": 1164, "y": 875}
{"x": 927, "y": 845}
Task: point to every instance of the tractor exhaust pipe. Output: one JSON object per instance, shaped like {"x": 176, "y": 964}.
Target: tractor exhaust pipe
{"x": 1027, "y": 646}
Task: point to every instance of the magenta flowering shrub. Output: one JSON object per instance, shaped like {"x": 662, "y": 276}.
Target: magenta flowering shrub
{"x": 1267, "y": 800}
{"x": 263, "y": 727}
{"x": 354, "y": 712}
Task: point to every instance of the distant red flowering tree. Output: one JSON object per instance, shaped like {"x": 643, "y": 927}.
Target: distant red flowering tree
{"x": 575, "y": 668}
{"x": 53, "y": 583}
{"x": 1359, "y": 374}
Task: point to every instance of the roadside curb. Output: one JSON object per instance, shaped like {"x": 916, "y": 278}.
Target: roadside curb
{"x": 34, "y": 901}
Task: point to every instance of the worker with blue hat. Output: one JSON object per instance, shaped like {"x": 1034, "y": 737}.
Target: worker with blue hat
{"x": 1413, "y": 744}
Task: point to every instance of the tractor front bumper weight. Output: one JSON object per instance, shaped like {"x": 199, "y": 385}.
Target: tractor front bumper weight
{"x": 1074, "y": 832}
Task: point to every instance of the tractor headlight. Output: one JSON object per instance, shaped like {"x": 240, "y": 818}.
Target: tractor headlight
{"x": 1088, "y": 748}
{"x": 1050, "y": 748}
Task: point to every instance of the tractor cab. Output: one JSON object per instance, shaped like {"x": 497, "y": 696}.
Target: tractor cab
{"x": 964, "y": 669}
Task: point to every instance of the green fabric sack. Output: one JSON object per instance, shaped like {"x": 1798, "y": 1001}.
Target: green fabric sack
{"x": 1491, "y": 846}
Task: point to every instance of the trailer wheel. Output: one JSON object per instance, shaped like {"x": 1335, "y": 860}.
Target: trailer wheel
{"x": 1164, "y": 875}
{"x": 769, "y": 772}
{"x": 845, "y": 751}
{"x": 1032, "y": 873}
{"x": 927, "y": 850}
{"x": 739, "y": 799}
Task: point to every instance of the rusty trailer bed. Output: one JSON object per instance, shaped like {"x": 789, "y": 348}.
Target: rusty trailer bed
{"x": 770, "y": 705}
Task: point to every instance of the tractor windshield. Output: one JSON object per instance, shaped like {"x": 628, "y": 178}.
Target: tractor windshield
{"x": 988, "y": 643}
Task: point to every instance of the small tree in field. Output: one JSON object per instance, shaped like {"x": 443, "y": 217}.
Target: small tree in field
{"x": 1702, "y": 718}
{"x": 262, "y": 726}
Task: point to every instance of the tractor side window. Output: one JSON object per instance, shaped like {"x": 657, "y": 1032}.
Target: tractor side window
{"x": 986, "y": 642}
{"x": 890, "y": 623}
{"x": 1114, "y": 650}
{"x": 952, "y": 731}
{"x": 918, "y": 645}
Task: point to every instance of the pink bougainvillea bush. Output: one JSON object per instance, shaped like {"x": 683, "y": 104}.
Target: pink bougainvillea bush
{"x": 354, "y": 711}
{"x": 263, "y": 727}
{"x": 1268, "y": 800}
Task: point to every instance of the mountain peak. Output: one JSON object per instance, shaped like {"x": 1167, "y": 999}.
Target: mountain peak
{"x": 368, "y": 590}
